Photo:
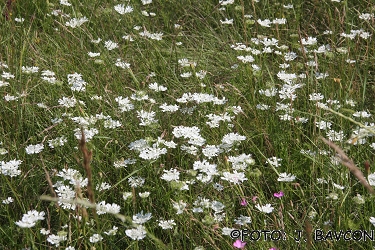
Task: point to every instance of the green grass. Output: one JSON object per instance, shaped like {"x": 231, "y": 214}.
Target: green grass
{"x": 45, "y": 41}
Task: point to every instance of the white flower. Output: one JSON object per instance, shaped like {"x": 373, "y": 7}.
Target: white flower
{"x": 217, "y": 206}
{"x": 136, "y": 181}
{"x": 371, "y": 179}
{"x": 7, "y": 75}
{"x": 112, "y": 231}
{"x": 8, "y": 200}
{"x": 2, "y": 83}
{"x": 122, "y": 64}
{"x": 96, "y": 41}
{"x": 332, "y": 196}
{"x": 89, "y": 133}
{"x": 112, "y": 124}
{"x": 110, "y": 45}
{"x": 362, "y": 114}
{"x": 171, "y": 175}
{"x": 59, "y": 141}
{"x": 30, "y": 218}
{"x": 184, "y": 62}
{"x": 335, "y": 136}
{"x": 287, "y": 78}
{"x": 232, "y": 138}
{"x": 66, "y": 193}
{"x": 309, "y": 41}
{"x": 201, "y": 74}
{"x": 34, "y": 149}
{"x": 186, "y": 74}
{"x": 182, "y": 131}
{"x": 169, "y": 108}
{"x": 156, "y": 87}
{"x": 127, "y": 195}
{"x": 147, "y": 118}
{"x": 144, "y": 194}
{"x": 144, "y": 2}
{"x": 19, "y": 20}
{"x": 316, "y": 97}
{"x": 10, "y": 98}
{"x": 179, "y": 206}
{"x": 103, "y": 186}
{"x": 235, "y": 177}
{"x": 285, "y": 177}
{"x": 366, "y": 16}
{"x": 227, "y": 231}
{"x": 153, "y": 36}
{"x": 190, "y": 149}
{"x": 269, "y": 42}
{"x": 56, "y": 239}
{"x": 265, "y": 209}
{"x": 102, "y": 208}
{"x": 68, "y": 102}
{"x": 279, "y": 21}
{"x": 151, "y": 153}
{"x": 141, "y": 218}
{"x": 167, "y": 224}
{"x": 226, "y": 2}
{"x": 137, "y": 233}
{"x": 264, "y": 23}
{"x": 290, "y": 56}
{"x": 246, "y": 59}
{"x": 76, "y": 82}
{"x": 65, "y": 2}
{"x": 138, "y": 145}
{"x": 338, "y": 186}
{"x": 207, "y": 170}
{"x": 44, "y": 231}
{"x": 120, "y": 8}
{"x": 274, "y": 161}
{"x": 227, "y": 21}
{"x": 211, "y": 151}
{"x": 95, "y": 238}
{"x": 323, "y": 125}
{"x": 372, "y": 220}
{"x": 76, "y": 22}
{"x": 10, "y": 168}
{"x": 268, "y": 92}
{"x": 241, "y": 162}
{"x": 124, "y": 104}
{"x": 28, "y": 70}
{"x": 242, "y": 220}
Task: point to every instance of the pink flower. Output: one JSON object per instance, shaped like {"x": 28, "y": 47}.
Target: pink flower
{"x": 239, "y": 244}
{"x": 254, "y": 199}
{"x": 243, "y": 202}
{"x": 279, "y": 194}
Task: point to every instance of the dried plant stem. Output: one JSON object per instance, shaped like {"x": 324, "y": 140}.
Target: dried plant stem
{"x": 87, "y": 156}
{"x": 48, "y": 178}
{"x": 352, "y": 120}
{"x": 346, "y": 161}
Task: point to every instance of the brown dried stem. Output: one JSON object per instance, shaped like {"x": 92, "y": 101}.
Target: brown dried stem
{"x": 87, "y": 156}
{"x": 48, "y": 178}
{"x": 346, "y": 161}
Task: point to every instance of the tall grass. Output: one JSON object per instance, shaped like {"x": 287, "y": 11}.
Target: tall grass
{"x": 264, "y": 108}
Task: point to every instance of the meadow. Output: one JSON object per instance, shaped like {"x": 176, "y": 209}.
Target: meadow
{"x": 149, "y": 124}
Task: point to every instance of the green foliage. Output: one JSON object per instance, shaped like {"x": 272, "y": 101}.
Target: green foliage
{"x": 324, "y": 195}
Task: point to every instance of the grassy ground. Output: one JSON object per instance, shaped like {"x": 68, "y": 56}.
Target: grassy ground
{"x": 251, "y": 88}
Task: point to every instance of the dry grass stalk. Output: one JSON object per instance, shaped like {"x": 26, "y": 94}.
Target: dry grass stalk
{"x": 8, "y": 9}
{"x": 48, "y": 178}
{"x": 87, "y": 156}
{"x": 346, "y": 161}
